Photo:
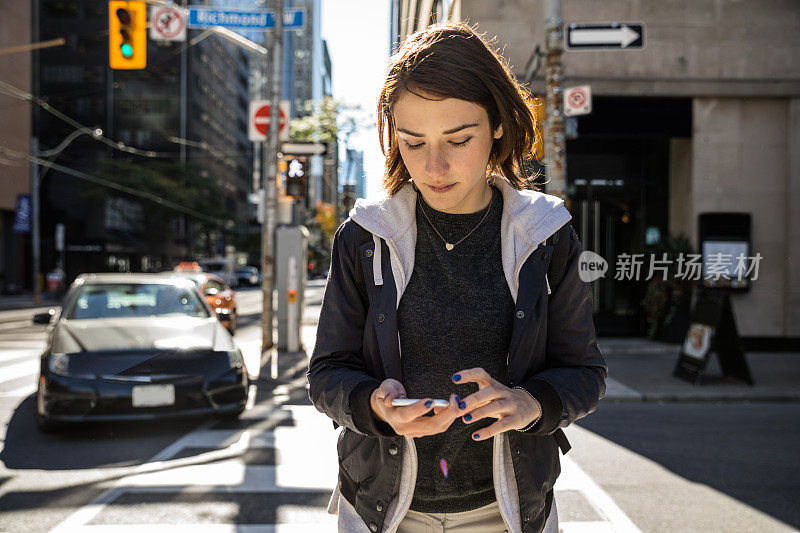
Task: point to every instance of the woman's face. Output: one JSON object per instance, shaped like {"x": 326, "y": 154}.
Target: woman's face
{"x": 445, "y": 145}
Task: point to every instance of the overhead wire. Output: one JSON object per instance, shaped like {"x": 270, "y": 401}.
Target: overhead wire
{"x": 112, "y": 185}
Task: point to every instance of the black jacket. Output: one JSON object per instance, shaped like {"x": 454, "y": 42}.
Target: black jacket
{"x": 553, "y": 354}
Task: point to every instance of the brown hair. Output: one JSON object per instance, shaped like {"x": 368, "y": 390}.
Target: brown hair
{"x": 451, "y": 60}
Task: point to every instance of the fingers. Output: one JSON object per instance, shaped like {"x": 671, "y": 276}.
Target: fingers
{"x": 473, "y": 375}
{"x": 495, "y": 409}
{"x": 432, "y": 425}
{"x": 483, "y": 397}
{"x": 504, "y": 424}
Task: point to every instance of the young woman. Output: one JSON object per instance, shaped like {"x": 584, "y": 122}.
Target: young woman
{"x": 441, "y": 291}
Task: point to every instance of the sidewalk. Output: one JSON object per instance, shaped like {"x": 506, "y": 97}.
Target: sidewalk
{"x": 641, "y": 370}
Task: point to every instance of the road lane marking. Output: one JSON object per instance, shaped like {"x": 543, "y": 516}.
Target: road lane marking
{"x": 573, "y": 478}
{"x": 19, "y": 370}
{"x": 10, "y": 355}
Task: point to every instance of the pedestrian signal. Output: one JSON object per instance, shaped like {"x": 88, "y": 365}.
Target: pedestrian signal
{"x": 296, "y": 178}
{"x": 127, "y": 34}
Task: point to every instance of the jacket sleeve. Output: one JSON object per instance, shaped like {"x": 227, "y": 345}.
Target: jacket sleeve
{"x": 573, "y": 381}
{"x": 339, "y": 385}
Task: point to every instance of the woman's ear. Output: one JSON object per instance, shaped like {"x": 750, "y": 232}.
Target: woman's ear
{"x": 498, "y": 132}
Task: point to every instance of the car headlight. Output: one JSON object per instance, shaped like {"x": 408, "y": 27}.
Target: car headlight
{"x": 58, "y": 363}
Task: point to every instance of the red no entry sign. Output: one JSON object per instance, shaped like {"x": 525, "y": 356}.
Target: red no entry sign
{"x": 260, "y": 118}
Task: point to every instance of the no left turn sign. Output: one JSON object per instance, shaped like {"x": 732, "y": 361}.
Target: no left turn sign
{"x": 167, "y": 24}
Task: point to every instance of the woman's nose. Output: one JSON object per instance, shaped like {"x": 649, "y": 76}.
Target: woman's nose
{"x": 436, "y": 164}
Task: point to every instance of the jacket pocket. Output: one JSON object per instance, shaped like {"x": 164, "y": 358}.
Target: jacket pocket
{"x": 358, "y": 455}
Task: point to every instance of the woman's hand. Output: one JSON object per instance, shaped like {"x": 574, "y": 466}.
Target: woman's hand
{"x": 514, "y": 408}
{"x": 409, "y": 420}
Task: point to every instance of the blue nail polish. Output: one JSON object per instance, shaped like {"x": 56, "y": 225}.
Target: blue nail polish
{"x": 457, "y": 377}
{"x": 458, "y": 399}
{"x": 428, "y": 403}
{"x": 476, "y": 436}
{"x": 462, "y": 405}
{"x": 467, "y": 417}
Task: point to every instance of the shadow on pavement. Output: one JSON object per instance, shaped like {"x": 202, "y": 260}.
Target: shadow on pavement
{"x": 745, "y": 450}
{"x": 86, "y": 446}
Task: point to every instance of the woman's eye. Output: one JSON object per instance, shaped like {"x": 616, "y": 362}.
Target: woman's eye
{"x": 420, "y": 145}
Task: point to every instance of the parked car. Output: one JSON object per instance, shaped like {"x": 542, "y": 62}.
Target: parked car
{"x": 224, "y": 267}
{"x": 136, "y": 347}
{"x": 248, "y": 275}
{"x": 217, "y": 293}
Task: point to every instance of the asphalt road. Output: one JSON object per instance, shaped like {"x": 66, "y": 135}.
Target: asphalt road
{"x": 634, "y": 465}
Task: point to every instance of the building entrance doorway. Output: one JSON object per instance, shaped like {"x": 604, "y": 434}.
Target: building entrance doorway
{"x": 618, "y": 194}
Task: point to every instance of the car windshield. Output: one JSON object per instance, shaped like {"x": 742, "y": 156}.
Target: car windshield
{"x": 127, "y": 300}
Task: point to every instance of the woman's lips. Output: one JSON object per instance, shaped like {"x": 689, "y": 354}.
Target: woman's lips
{"x": 442, "y": 189}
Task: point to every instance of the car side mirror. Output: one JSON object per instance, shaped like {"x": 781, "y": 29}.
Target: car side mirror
{"x": 44, "y": 318}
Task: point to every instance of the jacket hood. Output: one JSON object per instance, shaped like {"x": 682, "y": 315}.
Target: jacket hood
{"x": 534, "y": 215}
{"x": 529, "y": 218}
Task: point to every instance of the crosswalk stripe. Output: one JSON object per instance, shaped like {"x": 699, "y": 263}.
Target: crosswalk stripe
{"x": 300, "y": 467}
{"x": 10, "y": 355}
{"x": 19, "y": 370}
{"x": 573, "y": 478}
{"x": 325, "y": 524}
{"x": 586, "y": 527}
{"x": 20, "y": 392}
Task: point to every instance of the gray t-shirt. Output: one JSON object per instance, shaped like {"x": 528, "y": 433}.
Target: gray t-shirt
{"x": 456, "y": 313}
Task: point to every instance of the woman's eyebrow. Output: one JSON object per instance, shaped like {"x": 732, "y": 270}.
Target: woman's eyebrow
{"x": 448, "y": 132}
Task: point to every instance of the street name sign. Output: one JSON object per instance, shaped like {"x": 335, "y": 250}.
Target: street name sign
{"x": 243, "y": 19}
{"x": 608, "y": 36}
{"x": 304, "y": 148}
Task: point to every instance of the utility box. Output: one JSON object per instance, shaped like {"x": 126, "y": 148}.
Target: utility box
{"x": 291, "y": 253}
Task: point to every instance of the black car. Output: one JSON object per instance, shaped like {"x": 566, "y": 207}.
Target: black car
{"x": 137, "y": 347}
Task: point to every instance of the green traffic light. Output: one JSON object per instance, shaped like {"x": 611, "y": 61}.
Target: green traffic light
{"x": 127, "y": 50}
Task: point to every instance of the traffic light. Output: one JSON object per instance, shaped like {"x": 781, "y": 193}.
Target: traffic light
{"x": 296, "y": 178}
{"x": 127, "y": 34}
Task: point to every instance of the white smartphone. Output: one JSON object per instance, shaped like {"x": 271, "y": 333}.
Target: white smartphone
{"x": 402, "y": 402}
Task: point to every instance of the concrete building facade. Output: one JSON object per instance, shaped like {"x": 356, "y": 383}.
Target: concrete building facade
{"x": 705, "y": 118}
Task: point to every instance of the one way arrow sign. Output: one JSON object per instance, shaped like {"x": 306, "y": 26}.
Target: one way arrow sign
{"x": 611, "y": 36}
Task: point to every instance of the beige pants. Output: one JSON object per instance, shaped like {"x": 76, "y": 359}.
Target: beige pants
{"x": 482, "y": 520}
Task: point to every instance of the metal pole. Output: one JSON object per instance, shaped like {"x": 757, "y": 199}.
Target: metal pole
{"x": 35, "y": 240}
{"x": 271, "y": 168}
{"x": 554, "y": 139}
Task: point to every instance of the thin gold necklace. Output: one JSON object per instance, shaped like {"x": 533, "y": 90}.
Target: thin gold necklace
{"x": 447, "y": 245}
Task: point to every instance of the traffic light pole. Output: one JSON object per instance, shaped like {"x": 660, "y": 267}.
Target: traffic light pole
{"x": 554, "y": 140}
{"x": 270, "y": 166}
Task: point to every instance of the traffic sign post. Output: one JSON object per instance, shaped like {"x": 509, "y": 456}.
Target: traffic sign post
{"x": 610, "y": 36}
